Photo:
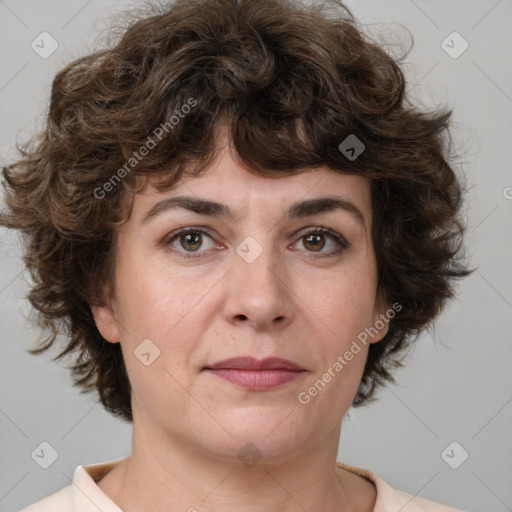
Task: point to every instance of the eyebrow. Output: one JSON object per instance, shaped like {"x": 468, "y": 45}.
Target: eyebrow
{"x": 299, "y": 209}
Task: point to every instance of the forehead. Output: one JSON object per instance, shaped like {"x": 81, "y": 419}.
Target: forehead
{"x": 229, "y": 182}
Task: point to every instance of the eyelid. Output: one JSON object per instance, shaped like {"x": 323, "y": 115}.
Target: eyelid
{"x": 326, "y": 231}
{"x": 175, "y": 234}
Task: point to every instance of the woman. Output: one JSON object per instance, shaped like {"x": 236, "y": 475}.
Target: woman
{"x": 241, "y": 224}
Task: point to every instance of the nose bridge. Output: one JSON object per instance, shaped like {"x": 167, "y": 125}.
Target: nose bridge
{"x": 258, "y": 291}
{"x": 258, "y": 260}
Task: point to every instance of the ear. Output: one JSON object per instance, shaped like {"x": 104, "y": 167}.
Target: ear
{"x": 381, "y": 317}
{"x": 106, "y": 323}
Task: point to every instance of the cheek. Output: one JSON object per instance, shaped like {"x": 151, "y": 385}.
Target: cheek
{"x": 151, "y": 300}
{"x": 345, "y": 307}
{"x": 169, "y": 310}
{"x": 344, "y": 303}
{"x": 160, "y": 326}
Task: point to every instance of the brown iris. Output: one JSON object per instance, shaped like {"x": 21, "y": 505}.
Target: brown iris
{"x": 317, "y": 241}
{"x": 189, "y": 240}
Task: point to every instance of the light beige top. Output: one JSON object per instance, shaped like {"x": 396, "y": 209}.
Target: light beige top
{"x": 84, "y": 495}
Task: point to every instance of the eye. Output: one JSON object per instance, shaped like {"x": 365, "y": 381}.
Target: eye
{"x": 189, "y": 240}
{"x": 314, "y": 241}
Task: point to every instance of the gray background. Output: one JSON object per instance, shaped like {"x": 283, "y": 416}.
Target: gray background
{"x": 457, "y": 384}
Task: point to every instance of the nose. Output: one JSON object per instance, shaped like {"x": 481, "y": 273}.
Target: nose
{"x": 259, "y": 293}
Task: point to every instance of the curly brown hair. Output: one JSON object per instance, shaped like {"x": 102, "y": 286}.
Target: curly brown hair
{"x": 291, "y": 82}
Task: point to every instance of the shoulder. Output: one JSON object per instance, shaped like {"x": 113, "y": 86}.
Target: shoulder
{"x": 389, "y": 498}
{"x": 60, "y": 501}
{"x": 82, "y": 495}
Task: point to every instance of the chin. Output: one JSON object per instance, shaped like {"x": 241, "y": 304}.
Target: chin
{"x": 256, "y": 435}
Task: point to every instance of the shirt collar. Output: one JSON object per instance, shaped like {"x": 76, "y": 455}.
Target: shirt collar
{"x": 88, "y": 497}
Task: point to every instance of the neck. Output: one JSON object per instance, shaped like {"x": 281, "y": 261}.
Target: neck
{"x": 165, "y": 474}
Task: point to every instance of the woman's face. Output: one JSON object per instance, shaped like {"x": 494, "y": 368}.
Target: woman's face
{"x": 260, "y": 283}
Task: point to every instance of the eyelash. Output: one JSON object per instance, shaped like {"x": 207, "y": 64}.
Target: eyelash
{"x": 338, "y": 239}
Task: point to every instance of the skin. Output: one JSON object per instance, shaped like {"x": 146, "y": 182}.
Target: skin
{"x": 189, "y": 424}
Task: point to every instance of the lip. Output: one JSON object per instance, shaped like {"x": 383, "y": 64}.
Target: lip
{"x": 256, "y": 375}
{"x": 251, "y": 363}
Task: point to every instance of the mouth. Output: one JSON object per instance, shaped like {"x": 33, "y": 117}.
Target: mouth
{"x": 256, "y": 375}
{"x": 251, "y": 363}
